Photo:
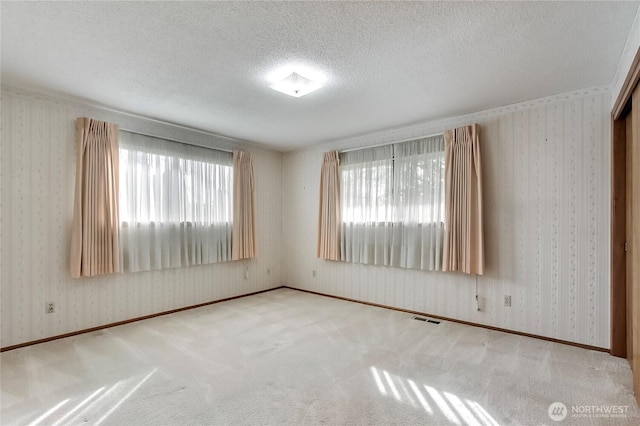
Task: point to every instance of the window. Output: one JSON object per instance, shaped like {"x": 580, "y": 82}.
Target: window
{"x": 392, "y": 204}
{"x": 175, "y": 203}
{"x": 366, "y": 182}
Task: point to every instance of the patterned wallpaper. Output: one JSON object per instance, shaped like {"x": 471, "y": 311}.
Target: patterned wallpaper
{"x": 546, "y": 170}
{"x": 38, "y": 168}
{"x": 547, "y": 178}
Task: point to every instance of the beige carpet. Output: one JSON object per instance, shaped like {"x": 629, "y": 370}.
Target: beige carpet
{"x": 288, "y": 358}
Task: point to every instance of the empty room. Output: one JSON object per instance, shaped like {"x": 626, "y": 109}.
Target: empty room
{"x": 287, "y": 213}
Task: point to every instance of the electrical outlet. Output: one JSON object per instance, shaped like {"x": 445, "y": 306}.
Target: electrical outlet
{"x": 507, "y": 301}
{"x": 50, "y": 308}
{"x": 268, "y": 271}
{"x": 246, "y": 273}
{"x": 313, "y": 273}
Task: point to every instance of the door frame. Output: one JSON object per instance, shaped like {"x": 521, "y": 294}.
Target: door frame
{"x": 619, "y": 112}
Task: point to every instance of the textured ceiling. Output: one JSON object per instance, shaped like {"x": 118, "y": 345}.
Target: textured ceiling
{"x": 208, "y": 64}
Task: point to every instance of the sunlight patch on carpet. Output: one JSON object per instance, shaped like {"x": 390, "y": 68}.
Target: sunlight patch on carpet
{"x": 98, "y": 402}
{"x": 49, "y": 412}
{"x": 454, "y": 408}
{"x": 123, "y": 399}
{"x": 79, "y": 406}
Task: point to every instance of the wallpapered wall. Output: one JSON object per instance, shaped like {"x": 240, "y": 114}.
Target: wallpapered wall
{"x": 38, "y": 169}
{"x": 546, "y": 170}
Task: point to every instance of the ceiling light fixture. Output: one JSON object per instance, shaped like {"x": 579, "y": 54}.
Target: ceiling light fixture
{"x": 296, "y": 85}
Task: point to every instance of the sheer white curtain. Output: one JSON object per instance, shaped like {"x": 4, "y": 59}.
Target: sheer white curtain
{"x": 366, "y": 183}
{"x": 175, "y": 204}
{"x": 393, "y": 204}
{"x": 419, "y": 204}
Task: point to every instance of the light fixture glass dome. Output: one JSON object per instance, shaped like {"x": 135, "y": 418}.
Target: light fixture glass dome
{"x": 296, "y": 85}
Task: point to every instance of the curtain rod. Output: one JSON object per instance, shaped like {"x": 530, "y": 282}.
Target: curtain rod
{"x": 175, "y": 140}
{"x": 391, "y": 143}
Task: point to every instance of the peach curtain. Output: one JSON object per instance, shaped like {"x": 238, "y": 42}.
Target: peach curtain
{"x": 243, "y": 244}
{"x": 464, "y": 238}
{"x": 95, "y": 237}
{"x": 329, "y": 217}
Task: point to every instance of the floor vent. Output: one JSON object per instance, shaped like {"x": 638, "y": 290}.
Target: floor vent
{"x": 426, "y": 320}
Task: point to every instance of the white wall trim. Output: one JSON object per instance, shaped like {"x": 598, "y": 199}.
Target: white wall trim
{"x": 626, "y": 57}
{"x": 438, "y": 126}
{"x": 140, "y": 123}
